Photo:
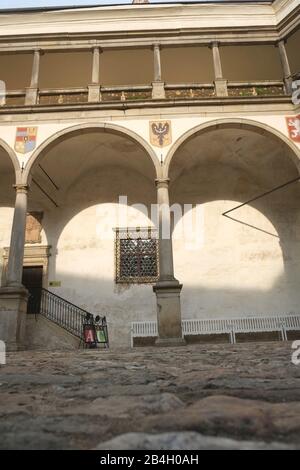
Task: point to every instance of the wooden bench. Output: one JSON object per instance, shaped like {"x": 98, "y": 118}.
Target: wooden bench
{"x": 232, "y": 326}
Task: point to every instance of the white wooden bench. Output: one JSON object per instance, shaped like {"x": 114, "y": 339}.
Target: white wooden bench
{"x": 231, "y": 326}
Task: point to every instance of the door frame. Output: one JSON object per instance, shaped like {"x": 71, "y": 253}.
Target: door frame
{"x": 33, "y": 256}
{"x": 35, "y": 296}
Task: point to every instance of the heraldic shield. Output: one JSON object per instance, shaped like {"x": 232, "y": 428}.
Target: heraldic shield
{"x": 293, "y": 124}
{"x": 160, "y": 133}
{"x": 25, "y": 139}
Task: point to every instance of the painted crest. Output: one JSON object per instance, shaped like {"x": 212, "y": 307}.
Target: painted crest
{"x": 160, "y": 133}
{"x": 293, "y": 124}
{"x": 25, "y": 139}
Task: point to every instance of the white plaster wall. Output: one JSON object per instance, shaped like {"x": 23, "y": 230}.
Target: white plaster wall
{"x": 83, "y": 254}
{"x": 236, "y": 270}
{"x": 246, "y": 266}
{"x": 220, "y": 277}
{"x": 137, "y": 121}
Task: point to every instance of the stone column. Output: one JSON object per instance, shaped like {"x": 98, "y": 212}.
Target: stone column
{"x": 167, "y": 288}
{"x": 158, "y": 86}
{"x": 16, "y": 250}
{"x": 94, "y": 87}
{"x": 13, "y": 296}
{"x": 287, "y": 76}
{"x": 220, "y": 82}
{"x": 32, "y": 92}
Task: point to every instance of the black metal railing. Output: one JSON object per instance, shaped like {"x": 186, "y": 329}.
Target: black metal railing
{"x": 62, "y": 312}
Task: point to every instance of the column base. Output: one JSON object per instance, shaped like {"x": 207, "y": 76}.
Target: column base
{"x": 13, "y": 308}
{"x": 169, "y": 342}
{"x": 221, "y": 87}
{"x": 31, "y": 96}
{"x": 94, "y": 93}
{"x": 158, "y": 91}
{"x": 168, "y": 312}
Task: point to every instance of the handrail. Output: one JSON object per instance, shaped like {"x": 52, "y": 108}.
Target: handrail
{"x": 62, "y": 91}
{"x": 104, "y": 89}
{"x": 64, "y": 313}
{"x": 15, "y": 92}
{"x": 117, "y": 88}
{"x": 184, "y": 86}
{"x": 263, "y": 83}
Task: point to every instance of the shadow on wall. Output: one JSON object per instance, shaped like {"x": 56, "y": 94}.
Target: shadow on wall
{"x": 201, "y": 301}
{"x": 84, "y": 261}
{"x": 249, "y": 264}
{"x": 97, "y": 295}
{"x": 236, "y": 270}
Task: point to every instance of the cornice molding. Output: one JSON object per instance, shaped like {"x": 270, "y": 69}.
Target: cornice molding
{"x": 181, "y": 33}
{"x": 39, "y": 110}
{"x": 128, "y": 19}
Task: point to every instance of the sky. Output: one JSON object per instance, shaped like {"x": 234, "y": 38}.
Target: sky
{"x": 7, "y": 4}
{"x": 49, "y": 3}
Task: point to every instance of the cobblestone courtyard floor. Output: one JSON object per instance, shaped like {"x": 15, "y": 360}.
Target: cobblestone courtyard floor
{"x": 81, "y": 399}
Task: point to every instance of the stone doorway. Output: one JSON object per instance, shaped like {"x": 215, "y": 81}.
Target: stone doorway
{"x": 32, "y": 279}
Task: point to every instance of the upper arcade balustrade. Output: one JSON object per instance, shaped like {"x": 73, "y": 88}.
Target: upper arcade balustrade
{"x": 177, "y": 66}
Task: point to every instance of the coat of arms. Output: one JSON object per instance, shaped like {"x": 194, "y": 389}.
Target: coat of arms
{"x": 25, "y": 139}
{"x": 293, "y": 124}
{"x": 160, "y": 133}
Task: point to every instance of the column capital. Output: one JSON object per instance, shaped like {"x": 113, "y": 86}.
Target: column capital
{"x": 21, "y": 188}
{"x": 214, "y": 44}
{"x": 281, "y": 41}
{"x": 163, "y": 183}
{"x": 97, "y": 48}
{"x": 39, "y": 51}
{"x": 156, "y": 45}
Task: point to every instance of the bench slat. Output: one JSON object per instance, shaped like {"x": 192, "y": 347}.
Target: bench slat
{"x": 230, "y": 326}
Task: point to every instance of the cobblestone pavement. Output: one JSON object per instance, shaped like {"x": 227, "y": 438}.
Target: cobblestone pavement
{"x": 80, "y": 399}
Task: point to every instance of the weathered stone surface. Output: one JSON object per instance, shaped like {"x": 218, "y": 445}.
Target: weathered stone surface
{"x": 129, "y": 406}
{"x": 79, "y": 399}
{"x": 235, "y": 417}
{"x": 184, "y": 441}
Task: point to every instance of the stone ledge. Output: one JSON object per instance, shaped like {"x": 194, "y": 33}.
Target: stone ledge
{"x": 214, "y": 101}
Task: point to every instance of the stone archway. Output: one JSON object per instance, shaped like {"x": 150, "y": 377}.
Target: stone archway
{"x": 227, "y": 123}
{"x": 76, "y": 182}
{"x": 12, "y": 302}
{"x": 90, "y": 128}
{"x": 9, "y": 175}
{"x": 249, "y": 264}
{"x": 8, "y": 151}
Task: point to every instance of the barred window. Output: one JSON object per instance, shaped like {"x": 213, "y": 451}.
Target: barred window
{"x": 136, "y": 255}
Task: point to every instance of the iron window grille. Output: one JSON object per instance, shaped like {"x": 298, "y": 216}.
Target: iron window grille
{"x": 136, "y": 253}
